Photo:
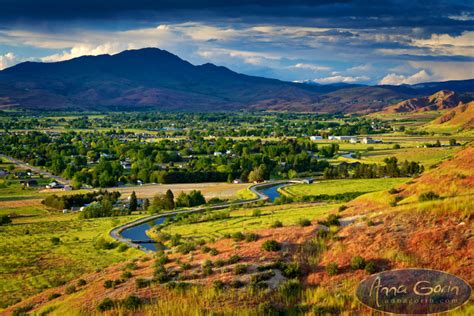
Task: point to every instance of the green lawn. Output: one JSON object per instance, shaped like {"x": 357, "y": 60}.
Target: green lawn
{"x": 30, "y": 262}
{"x": 242, "y": 220}
{"x": 333, "y": 187}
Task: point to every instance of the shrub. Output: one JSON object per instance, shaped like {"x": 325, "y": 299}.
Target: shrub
{"x": 105, "y": 305}
{"x": 5, "y": 219}
{"x": 276, "y": 224}
{"x": 218, "y": 285}
{"x": 371, "y": 267}
{"x": 357, "y": 263}
{"x": 240, "y": 269}
{"x": 126, "y": 274}
{"x": 428, "y": 196}
{"x": 185, "y": 266}
{"x": 256, "y": 213}
{"x": 108, "y": 284}
{"x": 23, "y": 310}
{"x": 396, "y": 146}
{"x": 219, "y": 263}
{"x": 70, "y": 289}
{"x": 342, "y": 208}
{"x": 101, "y": 243}
{"x": 54, "y": 296}
{"x": 213, "y": 252}
{"x": 122, "y": 248}
{"x": 271, "y": 245}
{"x": 303, "y": 222}
{"x": 186, "y": 248}
{"x": 55, "y": 240}
{"x": 393, "y": 191}
{"x": 81, "y": 282}
{"x": 207, "y": 267}
{"x": 370, "y": 223}
{"x": 290, "y": 270}
{"x": 331, "y": 220}
{"x": 236, "y": 284}
{"x": 238, "y": 236}
{"x": 263, "y": 276}
{"x": 290, "y": 288}
{"x": 233, "y": 259}
{"x": 162, "y": 259}
{"x": 332, "y": 269}
{"x": 142, "y": 283}
{"x": 205, "y": 249}
{"x": 251, "y": 237}
{"x": 131, "y": 302}
{"x": 268, "y": 309}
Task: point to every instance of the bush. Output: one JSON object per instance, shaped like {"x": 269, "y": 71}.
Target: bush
{"x": 256, "y": 213}
{"x": 70, "y": 289}
{"x": 357, "y": 263}
{"x": 331, "y": 220}
{"x": 207, "y": 267}
{"x": 54, "y": 296}
{"x": 393, "y": 191}
{"x": 101, "y": 243}
{"x": 303, "y": 222}
{"x": 238, "y": 236}
{"x": 236, "y": 284}
{"x": 185, "y": 266}
{"x": 55, "y": 240}
{"x": 371, "y": 267}
{"x": 105, "y": 305}
{"x": 276, "y": 224}
{"x": 122, "y": 248}
{"x": 186, "y": 248}
{"x": 23, "y": 310}
{"x": 213, "y": 252}
{"x": 127, "y": 275}
{"x": 251, "y": 237}
{"x": 81, "y": 282}
{"x": 263, "y": 276}
{"x": 142, "y": 283}
{"x": 131, "y": 302}
{"x": 268, "y": 309}
{"x": 271, "y": 245}
{"x": 332, "y": 269}
{"x": 290, "y": 270}
{"x": 428, "y": 196}
{"x": 108, "y": 284}
{"x": 290, "y": 289}
{"x": 342, "y": 208}
{"x": 218, "y": 285}
{"x": 233, "y": 259}
{"x": 240, "y": 269}
{"x": 5, "y": 219}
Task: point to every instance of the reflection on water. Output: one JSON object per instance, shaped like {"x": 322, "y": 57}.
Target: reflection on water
{"x": 139, "y": 232}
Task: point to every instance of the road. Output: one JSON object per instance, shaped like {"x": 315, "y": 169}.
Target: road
{"x": 36, "y": 170}
{"x": 115, "y": 233}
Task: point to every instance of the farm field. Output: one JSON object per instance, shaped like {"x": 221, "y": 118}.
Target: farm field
{"x": 31, "y": 262}
{"x": 333, "y": 187}
{"x": 245, "y": 220}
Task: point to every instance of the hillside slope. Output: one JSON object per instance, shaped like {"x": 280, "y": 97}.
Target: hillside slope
{"x": 459, "y": 118}
{"x": 435, "y": 234}
{"x": 441, "y": 100}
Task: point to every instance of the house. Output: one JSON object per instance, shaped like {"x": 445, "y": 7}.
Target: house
{"x": 237, "y": 181}
{"x": 29, "y": 183}
{"x": 354, "y": 141}
{"x": 54, "y": 185}
{"x": 316, "y": 138}
{"x": 307, "y": 180}
{"x": 217, "y": 153}
{"x": 343, "y": 138}
{"x": 369, "y": 140}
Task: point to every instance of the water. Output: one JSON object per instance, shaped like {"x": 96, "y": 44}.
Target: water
{"x": 272, "y": 192}
{"x": 139, "y": 232}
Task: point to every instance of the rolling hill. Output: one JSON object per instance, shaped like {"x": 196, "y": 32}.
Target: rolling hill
{"x": 461, "y": 118}
{"x": 441, "y": 100}
{"x": 154, "y": 79}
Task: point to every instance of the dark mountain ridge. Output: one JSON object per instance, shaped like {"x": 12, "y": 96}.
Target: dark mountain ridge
{"x": 154, "y": 79}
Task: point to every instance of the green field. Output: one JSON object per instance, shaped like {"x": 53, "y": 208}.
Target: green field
{"x": 333, "y": 187}
{"x": 242, "y": 220}
{"x": 31, "y": 263}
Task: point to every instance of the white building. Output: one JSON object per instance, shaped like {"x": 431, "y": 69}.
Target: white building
{"x": 315, "y": 138}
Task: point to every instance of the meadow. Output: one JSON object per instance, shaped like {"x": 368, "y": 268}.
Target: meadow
{"x": 251, "y": 219}
{"x": 32, "y": 261}
{"x": 333, "y": 187}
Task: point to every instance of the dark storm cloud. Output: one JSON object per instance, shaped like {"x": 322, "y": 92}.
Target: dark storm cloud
{"x": 342, "y": 13}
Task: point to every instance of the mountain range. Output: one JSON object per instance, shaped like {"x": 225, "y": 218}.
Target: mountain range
{"x": 154, "y": 79}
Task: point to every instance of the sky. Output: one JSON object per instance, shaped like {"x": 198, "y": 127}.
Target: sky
{"x": 366, "y": 42}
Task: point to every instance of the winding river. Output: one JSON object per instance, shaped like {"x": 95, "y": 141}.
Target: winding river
{"x": 136, "y": 231}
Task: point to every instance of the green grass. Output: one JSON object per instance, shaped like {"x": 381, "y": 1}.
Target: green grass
{"x": 241, "y": 220}
{"x": 425, "y": 156}
{"x": 333, "y": 187}
{"x": 30, "y": 263}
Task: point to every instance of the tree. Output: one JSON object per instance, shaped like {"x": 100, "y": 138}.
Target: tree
{"x": 5, "y": 219}
{"x": 146, "y": 204}
{"x": 133, "y": 202}
{"x": 170, "y": 199}
{"x": 452, "y": 142}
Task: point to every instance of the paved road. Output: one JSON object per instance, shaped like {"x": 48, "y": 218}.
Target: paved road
{"x": 115, "y": 233}
{"x": 36, "y": 170}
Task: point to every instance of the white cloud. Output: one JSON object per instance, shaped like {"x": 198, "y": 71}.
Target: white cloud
{"x": 464, "y": 16}
{"x": 7, "y": 60}
{"x": 445, "y": 44}
{"x": 312, "y": 67}
{"x": 361, "y": 68}
{"x": 394, "y": 79}
{"x": 85, "y": 50}
{"x": 340, "y": 78}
